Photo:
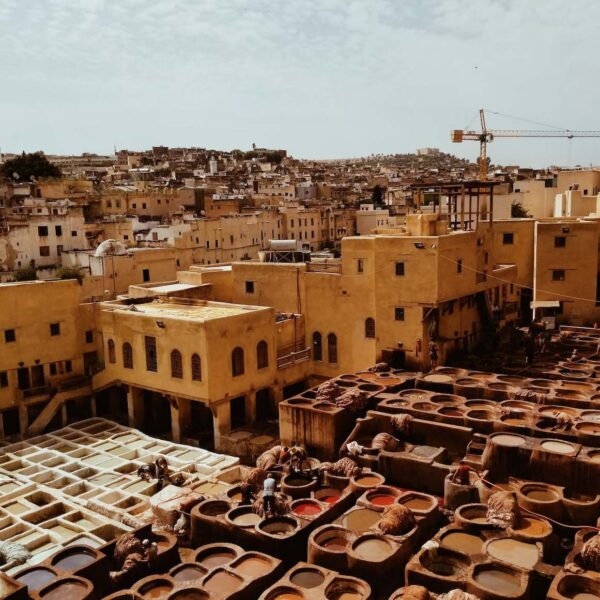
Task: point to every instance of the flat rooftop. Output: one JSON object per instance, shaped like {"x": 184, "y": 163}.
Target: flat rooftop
{"x": 192, "y": 311}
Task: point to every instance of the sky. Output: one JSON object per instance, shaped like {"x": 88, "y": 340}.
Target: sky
{"x": 321, "y": 78}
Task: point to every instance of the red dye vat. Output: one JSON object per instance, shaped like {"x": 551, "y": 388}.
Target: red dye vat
{"x": 382, "y": 499}
{"x": 306, "y": 509}
{"x": 329, "y": 499}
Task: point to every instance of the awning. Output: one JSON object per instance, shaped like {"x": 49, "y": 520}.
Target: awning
{"x": 545, "y": 304}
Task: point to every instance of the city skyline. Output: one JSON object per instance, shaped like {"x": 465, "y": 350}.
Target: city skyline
{"x": 326, "y": 80}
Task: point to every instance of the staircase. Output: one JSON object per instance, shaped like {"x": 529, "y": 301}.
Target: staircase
{"x": 68, "y": 390}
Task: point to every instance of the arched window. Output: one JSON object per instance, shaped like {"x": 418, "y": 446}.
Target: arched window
{"x": 370, "y": 328}
{"x": 196, "y": 368}
{"x": 127, "y": 356}
{"x": 176, "y": 364}
{"x": 112, "y": 355}
{"x": 262, "y": 354}
{"x": 332, "y": 353}
{"x": 237, "y": 361}
{"x": 317, "y": 348}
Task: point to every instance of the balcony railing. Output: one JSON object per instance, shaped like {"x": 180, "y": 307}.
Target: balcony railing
{"x": 293, "y": 358}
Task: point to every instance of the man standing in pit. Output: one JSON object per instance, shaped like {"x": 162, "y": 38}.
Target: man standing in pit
{"x": 269, "y": 495}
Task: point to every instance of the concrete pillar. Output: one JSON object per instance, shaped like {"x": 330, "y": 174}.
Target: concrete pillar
{"x": 63, "y": 415}
{"x": 135, "y": 407}
{"x": 251, "y": 407}
{"x": 1, "y": 425}
{"x": 277, "y": 392}
{"x": 181, "y": 411}
{"x": 93, "y": 406}
{"x": 221, "y": 420}
{"x": 23, "y": 418}
{"x": 114, "y": 403}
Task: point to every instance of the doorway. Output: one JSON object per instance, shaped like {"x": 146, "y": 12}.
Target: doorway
{"x": 23, "y": 378}
{"x": 237, "y": 407}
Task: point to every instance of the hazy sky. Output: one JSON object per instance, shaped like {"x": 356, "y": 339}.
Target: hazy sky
{"x": 322, "y": 78}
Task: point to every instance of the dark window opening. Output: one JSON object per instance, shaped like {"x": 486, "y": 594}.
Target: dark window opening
{"x": 332, "y": 349}
{"x": 508, "y": 238}
{"x": 151, "y": 357}
{"x": 399, "y": 314}
{"x": 196, "y": 368}
{"x": 237, "y": 362}
{"x": 317, "y": 343}
{"x": 176, "y": 365}
{"x": 127, "y": 356}
{"x": 54, "y": 328}
{"x": 399, "y": 268}
{"x": 558, "y": 275}
{"x": 370, "y": 328}
{"x": 249, "y": 287}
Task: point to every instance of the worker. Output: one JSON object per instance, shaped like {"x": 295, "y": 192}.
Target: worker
{"x": 247, "y": 493}
{"x": 433, "y": 354}
{"x": 575, "y": 355}
{"x": 269, "y": 495}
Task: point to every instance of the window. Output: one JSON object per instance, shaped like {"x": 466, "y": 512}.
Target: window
{"x": 560, "y": 241}
{"x": 59, "y": 249}
{"x": 10, "y": 336}
{"x": 360, "y": 265}
{"x": 89, "y": 336}
{"x": 332, "y": 354}
{"x": 486, "y": 258}
{"x": 508, "y": 238}
{"x": 43, "y": 230}
{"x": 134, "y": 205}
{"x": 459, "y": 265}
{"x": 112, "y": 357}
{"x": 73, "y": 234}
{"x": 44, "y": 250}
{"x": 399, "y": 314}
{"x": 151, "y": 357}
{"x": 399, "y": 268}
{"x": 146, "y": 275}
{"x": 68, "y": 366}
{"x": 317, "y": 343}
{"x": 262, "y": 355}
{"x": 54, "y": 328}
{"x": 3, "y": 379}
{"x": 237, "y": 362}
{"x": 127, "y": 356}
{"x": 143, "y": 205}
{"x": 370, "y": 328}
{"x": 52, "y": 368}
{"x": 558, "y": 275}
{"x": 58, "y": 230}
{"x": 176, "y": 365}
{"x": 249, "y": 287}
{"x": 196, "y": 368}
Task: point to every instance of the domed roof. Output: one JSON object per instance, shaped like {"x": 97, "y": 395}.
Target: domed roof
{"x": 110, "y": 247}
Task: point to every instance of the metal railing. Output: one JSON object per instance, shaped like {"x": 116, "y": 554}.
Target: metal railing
{"x": 323, "y": 268}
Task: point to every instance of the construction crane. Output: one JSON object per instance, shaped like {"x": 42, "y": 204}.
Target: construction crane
{"x": 488, "y": 135}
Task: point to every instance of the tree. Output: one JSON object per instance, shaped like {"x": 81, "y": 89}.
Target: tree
{"x": 377, "y": 195}
{"x": 27, "y": 166}
{"x": 518, "y": 212}
{"x": 26, "y": 274}
{"x": 70, "y": 273}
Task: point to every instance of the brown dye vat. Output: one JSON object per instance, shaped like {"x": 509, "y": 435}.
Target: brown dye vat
{"x": 481, "y": 375}
{"x": 335, "y": 544}
{"x": 501, "y": 582}
{"x": 35, "y": 578}
{"x": 343, "y": 590}
{"x": 66, "y": 589}
{"x": 281, "y": 526}
{"x": 480, "y": 415}
{"x": 214, "y": 508}
{"x": 460, "y": 541}
{"x": 369, "y": 480}
{"x": 514, "y": 552}
{"x": 73, "y": 559}
{"x": 418, "y": 503}
{"x": 549, "y": 410}
{"x": 532, "y": 527}
{"x": 472, "y": 514}
{"x": 286, "y": 594}
{"x": 216, "y": 558}
{"x": 468, "y": 381}
{"x": 189, "y": 594}
{"x": 373, "y": 549}
{"x": 451, "y": 412}
{"x": 579, "y": 588}
{"x": 437, "y": 378}
{"x": 425, "y": 406}
{"x": 253, "y": 566}
{"x": 479, "y": 404}
{"x": 514, "y": 421}
{"x": 446, "y": 399}
{"x": 361, "y": 519}
{"x": 445, "y": 563}
{"x": 541, "y": 495}
{"x": 557, "y": 447}
{"x": 511, "y": 380}
{"x": 244, "y": 517}
{"x": 223, "y": 583}
{"x": 508, "y": 439}
{"x": 188, "y": 572}
{"x": 307, "y": 578}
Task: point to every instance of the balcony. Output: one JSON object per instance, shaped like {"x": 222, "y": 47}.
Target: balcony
{"x": 292, "y": 354}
